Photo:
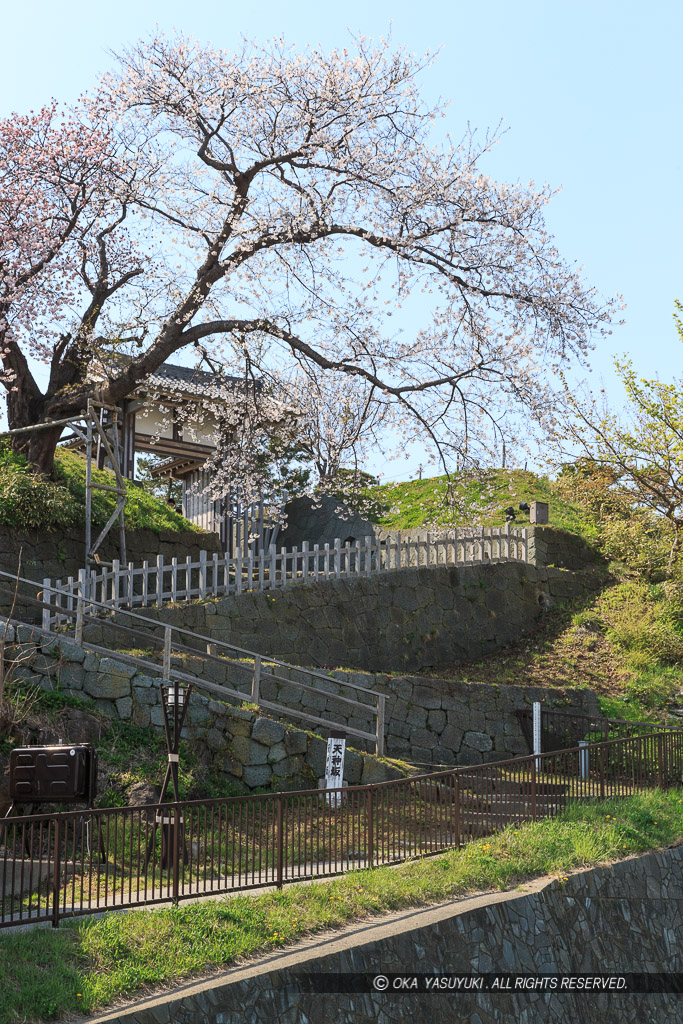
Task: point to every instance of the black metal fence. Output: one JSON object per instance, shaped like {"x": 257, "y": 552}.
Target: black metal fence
{"x": 60, "y": 865}
{"x": 562, "y": 729}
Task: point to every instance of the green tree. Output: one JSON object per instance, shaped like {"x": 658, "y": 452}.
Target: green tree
{"x": 641, "y": 451}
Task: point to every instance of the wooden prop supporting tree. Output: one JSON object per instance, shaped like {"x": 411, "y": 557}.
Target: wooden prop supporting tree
{"x": 175, "y": 699}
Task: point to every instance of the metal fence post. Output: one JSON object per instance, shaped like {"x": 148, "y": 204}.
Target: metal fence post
{"x": 176, "y": 852}
{"x": 56, "y": 874}
{"x": 280, "y": 841}
{"x": 456, "y": 809}
{"x": 370, "y": 830}
{"x": 660, "y": 756}
{"x": 533, "y": 789}
{"x": 602, "y": 772}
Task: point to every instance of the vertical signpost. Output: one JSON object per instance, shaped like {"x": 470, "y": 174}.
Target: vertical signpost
{"x": 334, "y": 765}
{"x": 537, "y": 732}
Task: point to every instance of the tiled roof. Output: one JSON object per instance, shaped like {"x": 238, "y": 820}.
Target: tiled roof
{"x": 189, "y": 375}
{"x": 188, "y": 380}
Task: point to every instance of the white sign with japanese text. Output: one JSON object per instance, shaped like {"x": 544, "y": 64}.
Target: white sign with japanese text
{"x": 334, "y": 766}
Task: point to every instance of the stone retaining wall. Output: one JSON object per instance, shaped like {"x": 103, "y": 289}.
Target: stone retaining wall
{"x": 435, "y": 721}
{"x": 241, "y": 746}
{"x": 60, "y": 555}
{"x": 405, "y": 620}
{"x": 625, "y": 918}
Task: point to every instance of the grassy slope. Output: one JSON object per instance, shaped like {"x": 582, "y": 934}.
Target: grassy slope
{"x": 30, "y": 503}
{"x": 416, "y": 502}
{"x": 50, "y": 974}
{"x": 626, "y": 644}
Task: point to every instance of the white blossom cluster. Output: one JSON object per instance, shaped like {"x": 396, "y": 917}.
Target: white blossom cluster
{"x": 284, "y": 208}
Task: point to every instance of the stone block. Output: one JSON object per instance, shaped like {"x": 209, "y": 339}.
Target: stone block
{"x": 256, "y": 775}
{"x": 124, "y": 706}
{"x": 157, "y": 716}
{"x": 145, "y": 695}
{"x": 267, "y": 731}
{"x": 71, "y": 652}
{"x": 71, "y": 677}
{"x": 436, "y": 720}
{"x": 276, "y": 753}
{"x": 451, "y": 737}
{"x": 373, "y": 771}
{"x": 467, "y": 756}
{"x": 141, "y": 716}
{"x": 233, "y": 767}
{"x": 423, "y": 738}
{"x": 248, "y": 751}
{"x": 287, "y": 766}
{"x": 295, "y": 742}
{"x": 216, "y": 739}
{"x": 477, "y": 741}
{"x": 416, "y": 717}
{"x": 107, "y": 685}
{"x": 317, "y": 753}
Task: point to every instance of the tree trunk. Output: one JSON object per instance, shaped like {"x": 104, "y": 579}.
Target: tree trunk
{"x": 41, "y": 449}
{"x": 24, "y": 410}
{"x": 675, "y": 548}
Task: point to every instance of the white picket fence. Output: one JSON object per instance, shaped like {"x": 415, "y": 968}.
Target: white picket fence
{"x": 156, "y": 583}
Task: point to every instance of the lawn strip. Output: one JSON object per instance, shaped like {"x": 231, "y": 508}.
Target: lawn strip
{"x": 92, "y": 963}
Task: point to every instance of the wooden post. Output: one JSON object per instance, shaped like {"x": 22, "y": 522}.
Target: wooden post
{"x": 215, "y": 574}
{"x": 80, "y": 609}
{"x": 168, "y": 640}
{"x": 272, "y": 574}
{"x": 46, "y": 603}
{"x": 202, "y": 574}
{"x": 381, "y": 711}
{"x": 238, "y": 570}
{"x": 256, "y": 681}
{"x": 115, "y": 582}
{"x": 188, "y": 578}
{"x": 337, "y": 557}
{"x": 160, "y": 581}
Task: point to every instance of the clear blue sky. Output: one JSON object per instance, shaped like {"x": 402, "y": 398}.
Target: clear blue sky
{"x": 591, "y": 93}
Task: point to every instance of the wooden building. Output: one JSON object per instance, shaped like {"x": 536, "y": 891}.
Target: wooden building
{"x": 158, "y": 420}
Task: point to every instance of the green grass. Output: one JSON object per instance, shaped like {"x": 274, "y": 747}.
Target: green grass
{"x": 92, "y": 963}
{"x": 412, "y": 504}
{"x": 28, "y": 502}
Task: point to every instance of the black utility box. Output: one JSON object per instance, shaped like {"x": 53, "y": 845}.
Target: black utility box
{"x": 62, "y": 774}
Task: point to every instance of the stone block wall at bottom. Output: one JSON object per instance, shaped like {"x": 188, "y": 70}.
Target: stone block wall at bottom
{"x": 428, "y": 721}
{"x": 240, "y": 746}
{"x": 622, "y": 919}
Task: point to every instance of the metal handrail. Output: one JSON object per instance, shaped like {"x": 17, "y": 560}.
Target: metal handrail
{"x": 80, "y": 617}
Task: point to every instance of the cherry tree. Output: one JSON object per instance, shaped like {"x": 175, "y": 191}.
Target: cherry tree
{"x": 289, "y": 208}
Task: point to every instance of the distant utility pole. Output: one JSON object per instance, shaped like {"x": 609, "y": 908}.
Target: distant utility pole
{"x": 419, "y": 472}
